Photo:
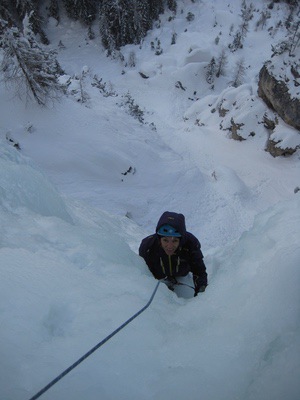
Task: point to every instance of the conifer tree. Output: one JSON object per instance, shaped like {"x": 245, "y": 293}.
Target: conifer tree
{"x": 109, "y": 27}
{"x": 237, "y": 42}
{"x": 125, "y": 23}
{"x": 172, "y": 5}
{"x": 21, "y": 8}
{"x": 156, "y": 7}
{"x": 54, "y": 10}
{"x": 24, "y": 7}
{"x": 121, "y": 24}
{"x": 141, "y": 21}
{"x": 83, "y": 10}
{"x": 221, "y": 64}
{"x": 211, "y": 71}
{"x": 6, "y": 11}
{"x": 239, "y": 73}
{"x": 28, "y": 67}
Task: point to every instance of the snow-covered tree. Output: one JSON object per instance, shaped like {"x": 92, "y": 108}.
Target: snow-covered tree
{"x": 36, "y": 26}
{"x": 172, "y": 5}
{"x": 238, "y": 39}
{"x": 28, "y": 67}
{"x": 295, "y": 42}
{"x": 293, "y": 27}
{"x": 247, "y": 11}
{"x": 14, "y": 12}
{"x": 221, "y": 64}
{"x": 109, "y": 28}
{"x": 237, "y": 42}
{"x": 24, "y": 7}
{"x": 292, "y": 40}
{"x": 83, "y": 10}
{"x": 239, "y": 73}
{"x": 174, "y": 37}
{"x": 132, "y": 59}
{"x": 156, "y": 7}
{"x": 124, "y": 21}
{"x": 141, "y": 19}
{"x": 211, "y": 71}
{"x": 262, "y": 22}
{"x": 6, "y": 10}
{"x": 54, "y": 10}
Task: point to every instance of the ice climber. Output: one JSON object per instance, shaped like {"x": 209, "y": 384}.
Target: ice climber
{"x": 173, "y": 252}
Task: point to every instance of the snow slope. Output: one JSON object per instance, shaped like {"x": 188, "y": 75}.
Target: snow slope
{"x": 91, "y": 181}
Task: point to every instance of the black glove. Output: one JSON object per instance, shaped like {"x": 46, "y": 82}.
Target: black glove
{"x": 199, "y": 287}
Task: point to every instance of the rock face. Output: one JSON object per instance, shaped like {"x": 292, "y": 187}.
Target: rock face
{"x": 276, "y": 95}
{"x": 277, "y": 151}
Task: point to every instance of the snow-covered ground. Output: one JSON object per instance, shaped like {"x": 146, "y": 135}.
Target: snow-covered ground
{"x": 90, "y": 182}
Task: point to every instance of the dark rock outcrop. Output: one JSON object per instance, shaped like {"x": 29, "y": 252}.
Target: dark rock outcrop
{"x": 277, "y": 151}
{"x": 275, "y": 94}
{"x": 234, "y": 128}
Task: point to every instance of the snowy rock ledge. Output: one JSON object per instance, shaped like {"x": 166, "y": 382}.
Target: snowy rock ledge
{"x": 278, "y": 93}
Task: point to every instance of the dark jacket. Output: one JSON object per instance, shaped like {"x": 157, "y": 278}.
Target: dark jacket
{"x": 188, "y": 256}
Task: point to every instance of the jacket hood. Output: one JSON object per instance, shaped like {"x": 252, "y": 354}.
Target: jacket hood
{"x": 173, "y": 219}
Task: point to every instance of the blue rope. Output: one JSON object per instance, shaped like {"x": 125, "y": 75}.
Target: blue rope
{"x": 65, "y": 372}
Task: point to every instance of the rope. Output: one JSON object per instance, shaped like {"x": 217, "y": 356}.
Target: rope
{"x": 65, "y": 372}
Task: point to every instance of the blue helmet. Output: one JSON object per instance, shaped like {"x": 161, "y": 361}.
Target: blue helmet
{"x": 168, "y": 230}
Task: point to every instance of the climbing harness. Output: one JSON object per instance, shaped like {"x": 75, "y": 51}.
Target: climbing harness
{"x": 65, "y": 372}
